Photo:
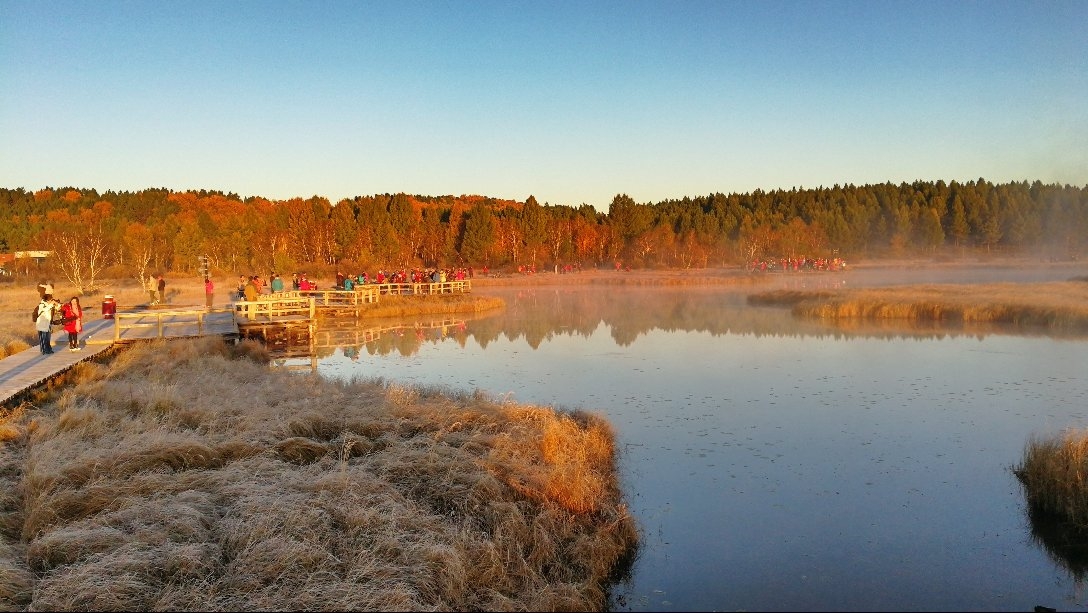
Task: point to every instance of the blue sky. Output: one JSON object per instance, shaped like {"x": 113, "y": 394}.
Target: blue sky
{"x": 572, "y": 102}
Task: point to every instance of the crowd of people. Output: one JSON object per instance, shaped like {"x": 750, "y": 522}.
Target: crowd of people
{"x": 254, "y": 285}
{"x": 798, "y": 264}
{"x": 416, "y": 275}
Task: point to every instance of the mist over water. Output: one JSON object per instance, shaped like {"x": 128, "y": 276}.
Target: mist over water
{"x": 777, "y": 464}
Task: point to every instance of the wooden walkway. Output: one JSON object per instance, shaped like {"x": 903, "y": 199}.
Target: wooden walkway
{"x": 29, "y": 368}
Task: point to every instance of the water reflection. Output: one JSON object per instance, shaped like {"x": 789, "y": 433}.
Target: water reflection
{"x": 778, "y": 464}
{"x": 539, "y": 315}
{"x": 1064, "y": 543}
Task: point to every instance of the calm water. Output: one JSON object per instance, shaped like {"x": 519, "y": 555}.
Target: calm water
{"x": 775, "y": 464}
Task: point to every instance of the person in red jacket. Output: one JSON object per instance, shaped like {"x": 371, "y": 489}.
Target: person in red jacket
{"x": 72, "y": 316}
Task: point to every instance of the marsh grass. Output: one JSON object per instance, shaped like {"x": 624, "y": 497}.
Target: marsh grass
{"x": 442, "y": 304}
{"x": 1058, "y": 306}
{"x": 1054, "y": 475}
{"x": 188, "y": 475}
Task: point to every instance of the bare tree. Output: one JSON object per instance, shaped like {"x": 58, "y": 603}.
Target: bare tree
{"x": 79, "y": 244}
{"x": 139, "y": 246}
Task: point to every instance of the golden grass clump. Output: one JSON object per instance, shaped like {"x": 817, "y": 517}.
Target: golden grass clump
{"x": 188, "y": 475}
{"x": 12, "y": 347}
{"x": 1054, "y": 475}
{"x": 402, "y": 306}
{"x": 1055, "y": 306}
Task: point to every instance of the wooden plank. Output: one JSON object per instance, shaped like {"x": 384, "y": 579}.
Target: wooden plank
{"x": 178, "y": 322}
{"x": 28, "y": 368}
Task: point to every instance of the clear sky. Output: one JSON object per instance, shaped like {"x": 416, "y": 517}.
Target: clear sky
{"x": 572, "y": 102}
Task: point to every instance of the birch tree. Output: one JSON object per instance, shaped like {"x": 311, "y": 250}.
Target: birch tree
{"x": 79, "y": 244}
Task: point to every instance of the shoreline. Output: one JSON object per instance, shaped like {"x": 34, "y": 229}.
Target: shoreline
{"x": 189, "y": 475}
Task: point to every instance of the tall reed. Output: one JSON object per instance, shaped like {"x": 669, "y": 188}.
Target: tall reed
{"x": 1054, "y": 475}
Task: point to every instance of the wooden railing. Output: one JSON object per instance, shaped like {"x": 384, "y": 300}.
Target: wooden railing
{"x": 163, "y": 323}
{"x": 423, "y": 289}
{"x": 276, "y": 307}
{"x": 367, "y": 294}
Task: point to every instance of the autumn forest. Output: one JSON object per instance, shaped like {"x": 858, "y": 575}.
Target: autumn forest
{"x": 129, "y": 233}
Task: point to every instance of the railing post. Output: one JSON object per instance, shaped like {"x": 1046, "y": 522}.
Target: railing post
{"x": 159, "y": 320}
{"x": 116, "y": 327}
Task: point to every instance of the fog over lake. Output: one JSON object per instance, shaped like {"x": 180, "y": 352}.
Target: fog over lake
{"x": 780, "y": 464}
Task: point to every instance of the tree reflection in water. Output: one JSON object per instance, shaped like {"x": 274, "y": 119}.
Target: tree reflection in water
{"x": 538, "y": 314}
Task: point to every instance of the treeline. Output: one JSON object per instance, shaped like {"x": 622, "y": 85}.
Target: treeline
{"x": 164, "y": 230}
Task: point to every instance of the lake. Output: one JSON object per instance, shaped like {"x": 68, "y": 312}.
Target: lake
{"x": 779, "y": 464}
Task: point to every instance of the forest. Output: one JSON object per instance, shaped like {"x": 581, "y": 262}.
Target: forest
{"x": 132, "y": 233}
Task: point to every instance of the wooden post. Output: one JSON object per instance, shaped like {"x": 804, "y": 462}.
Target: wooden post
{"x": 116, "y": 327}
{"x": 160, "y": 325}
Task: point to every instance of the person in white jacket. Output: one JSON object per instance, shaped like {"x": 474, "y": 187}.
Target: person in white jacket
{"x": 47, "y": 309}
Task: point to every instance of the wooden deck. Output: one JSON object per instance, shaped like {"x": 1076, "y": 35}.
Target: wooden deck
{"x": 173, "y": 323}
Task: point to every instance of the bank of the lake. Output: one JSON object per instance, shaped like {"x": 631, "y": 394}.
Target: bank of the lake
{"x": 188, "y": 475}
{"x": 1054, "y": 306}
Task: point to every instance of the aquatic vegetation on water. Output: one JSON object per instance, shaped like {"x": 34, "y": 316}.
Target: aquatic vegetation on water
{"x": 1061, "y": 306}
{"x": 1054, "y": 475}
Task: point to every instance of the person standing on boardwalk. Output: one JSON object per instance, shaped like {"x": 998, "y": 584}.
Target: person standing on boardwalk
{"x": 151, "y": 285}
{"x": 43, "y": 323}
{"x": 162, "y": 289}
{"x": 73, "y": 322}
{"x": 277, "y": 283}
{"x": 252, "y": 291}
{"x": 209, "y": 290}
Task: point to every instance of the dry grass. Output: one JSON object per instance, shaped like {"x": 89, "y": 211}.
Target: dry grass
{"x": 1058, "y": 306}
{"x": 401, "y": 306}
{"x": 188, "y": 476}
{"x": 1054, "y": 474}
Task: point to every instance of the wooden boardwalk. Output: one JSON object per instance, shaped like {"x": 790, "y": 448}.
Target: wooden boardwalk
{"x": 29, "y": 368}
{"x": 291, "y": 310}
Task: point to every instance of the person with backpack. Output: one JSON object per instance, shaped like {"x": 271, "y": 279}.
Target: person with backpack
{"x": 44, "y": 314}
